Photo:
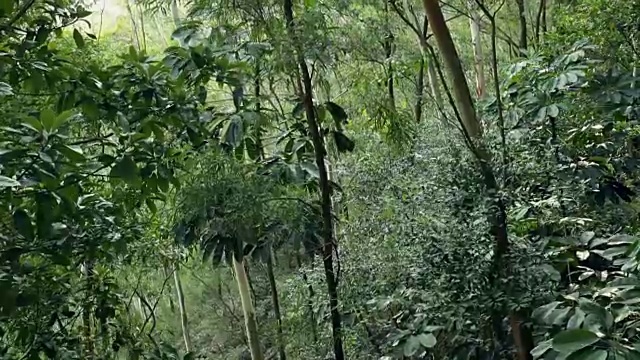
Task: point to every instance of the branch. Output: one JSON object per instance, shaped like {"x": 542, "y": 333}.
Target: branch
{"x": 23, "y": 10}
{"x": 496, "y": 79}
{"x": 404, "y": 18}
{"x": 465, "y": 133}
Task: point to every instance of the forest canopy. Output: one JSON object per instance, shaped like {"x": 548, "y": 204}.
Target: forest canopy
{"x": 319, "y": 179}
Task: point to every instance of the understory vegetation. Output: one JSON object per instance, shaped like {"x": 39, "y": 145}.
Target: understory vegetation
{"x": 319, "y": 179}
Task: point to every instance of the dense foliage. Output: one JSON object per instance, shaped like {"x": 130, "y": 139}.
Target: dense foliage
{"x": 261, "y": 179}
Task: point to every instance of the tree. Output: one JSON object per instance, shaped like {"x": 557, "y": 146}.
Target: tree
{"x": 522, "y": 18}
{"x": 329, "y": 247}
{"x": 473, "y": 133}
{"x": 476, "y": 41}
{"x": 183, "y": 311}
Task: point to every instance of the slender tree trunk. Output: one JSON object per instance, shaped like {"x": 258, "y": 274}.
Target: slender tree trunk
{"x": 276, "y": 305}
{"x": 87, "y": 328}
{"x": 433, "y": 83}
{"x": 388, "y": 49}
{"x": 473, "y": 134}
{"x": 183, "y": 311}
{"x": 165, "y": 270}
{"x": 251, "y": 325}
{"x": 476, "y": 41}
{"x": 141, "y": 310}
{"x": 175, "y": 13}
{"x": 254, "y": 298}
{"x": 134, "y": 26}
{"x": 258, "y": 104}
{"x": 312, "y": 294}
{"x": 432, "y": 76}
{"x": 523, "y": 24}
{"x": 541, "y": 21}
{"x": 143, "y": 33}
{"x": 330, "y": 245}
{"x": 421, "y": 71}
{"x": 156, "y": 24}
{"x": 544, "y": 17}
{"x": 420, "y": 91}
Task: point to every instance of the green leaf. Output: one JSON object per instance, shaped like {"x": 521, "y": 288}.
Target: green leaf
{"x": 337, "y": 112}
{"x": 47, "y": 118}
{"x": 542, "y": 313}
{"x": 427, "y": 340}
{"x": 411, "y": 346}
{"x": 5, "y": 89}
{"x": 522, "y": 212}
{"x": 82, "y": 12}
{"x": 343, "y": 143}
{"x": 71, "y": 152}
{"x": 151, "y": 205}
{"x": 553, "y": 111}
{"x": 576, "y": 319}
{"x": 542, "y": 348}
{"x": 7, "y": 182}
{"x": 589, "y": 354}
{"x": 587, "y": 236}
{"x": 6, "y": 7}
{"x": 570, "y": 341}
{"x": 61, "y": 119}
{"x": 298, "y": 110}
{"x": 310, "y": 168}
{"x": 22, "y": 222}
{"x": 77, "y": 37}
{"x": 127, "y": 170}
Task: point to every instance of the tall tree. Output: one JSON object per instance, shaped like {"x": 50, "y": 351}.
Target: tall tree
{"x": 248, "y": 309}
{"x": 184, "y": 323}
{"x": 389, "y": 45}
{"x": 276, "y": 302}
{"x": 522, "y": 17}
{"x": 329, "y": 246}
{"x": 476, "y": 42}
{"x": 473, "y": 134}
{"x": 541, "y": 21}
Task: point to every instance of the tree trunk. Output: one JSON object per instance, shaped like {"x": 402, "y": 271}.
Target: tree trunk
{"x": 252, "y": 290}
{"x": 388, "y": 49}
{"x": 183, "y": 311}
{"x": 312, "y": 319}
{"x": 423, "y": 63}
{"x": 461, "y": 91}
{"x": 478, "y": 56}
{"x": 433, "y": 83}
{"x": 258, "y": 104}
{"x": 134, "y": 26}
{"x": 87, "y": 309}
{"x": 165, "y": 270}
{"x": 523, "y": 24}
{"x": 329, "y": 245}
{"x": 156, "y": 24}
{"x": 276, "y": 305}
{"x": 248, "y": 310}
{"x": 143, "y": 33}
{"x": 473, "y": 134}
{"x": 175, "y": 13}
{"x": 420, "y": 91}
{"x": 541, "y": 20}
